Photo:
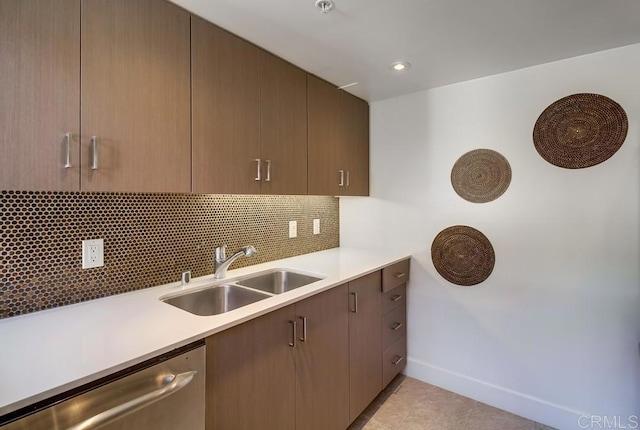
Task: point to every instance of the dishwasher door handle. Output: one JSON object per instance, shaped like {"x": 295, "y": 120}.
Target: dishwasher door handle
{"x": 174, "y": 383}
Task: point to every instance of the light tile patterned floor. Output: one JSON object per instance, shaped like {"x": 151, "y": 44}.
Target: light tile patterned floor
{"x": 409, "y": 404}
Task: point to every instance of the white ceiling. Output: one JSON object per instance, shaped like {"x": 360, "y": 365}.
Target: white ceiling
{"x": 446, "y": 41}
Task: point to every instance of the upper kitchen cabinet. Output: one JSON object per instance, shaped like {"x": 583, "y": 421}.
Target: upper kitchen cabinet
{"x": 338, "y": 141}
{"x": 283, "y": 126}
{"x": 355, "y": 145}
{"x": 135, "y": 96}
{"x": 325, "y": 138}
{"x": 39, "y": 94}
{"x": 226, "y": 111}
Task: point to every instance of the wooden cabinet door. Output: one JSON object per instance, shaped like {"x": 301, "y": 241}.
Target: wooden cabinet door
{"x": 136, "y": 96}
{"x": 226, "y": 111}
{"x": 325, "y": 138}
{"x": 251, "y": 375}
{"x": 283, "y": 126}
{"x": 322, "y": 362}
{"x": 365, "y": 344}
{"x": 39, "y": 94}
{"x": 356, "y": 144}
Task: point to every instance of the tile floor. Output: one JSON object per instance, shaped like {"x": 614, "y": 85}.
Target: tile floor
{"x": 409, "y": 404}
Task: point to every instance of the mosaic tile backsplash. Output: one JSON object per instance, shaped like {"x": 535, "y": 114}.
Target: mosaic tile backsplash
{"x": 149, "y": 240}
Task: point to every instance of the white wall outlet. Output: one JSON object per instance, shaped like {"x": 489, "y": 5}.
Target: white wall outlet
{"x": 316, "y": 226}
{"x": 92, "y": 253}
{"x": 293, "y": 228}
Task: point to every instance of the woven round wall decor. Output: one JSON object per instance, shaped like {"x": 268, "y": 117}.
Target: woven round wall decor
{"x": 580, "y": 130}
{"x": 481, "y": 175}
{"x": 462, "y": 255}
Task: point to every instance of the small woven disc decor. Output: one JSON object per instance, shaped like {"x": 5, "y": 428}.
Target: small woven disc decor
{"x": 462, "y": 255}
{"x": 481, "y": 175}
{"x": 580, "y": 131}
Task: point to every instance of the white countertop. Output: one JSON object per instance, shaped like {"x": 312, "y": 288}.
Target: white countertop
{"x": 49, "y": 352}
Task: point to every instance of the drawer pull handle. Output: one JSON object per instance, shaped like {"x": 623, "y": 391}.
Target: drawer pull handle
{"x": 293, "y": 334}
{"x": 94, "y": 152}
{"x": 397, "y": 359}
{"x": 399, "y": 275}
{"x": 303, "y": 338}
{"x": 354, "y": 309}
{"x": 268, "y": 178}
{"x": 259, "y": 171}
{"x": 396, "y": 297}
{"x": 341, "y": 183}
{"x": 396, "y": 326}
{"x": 68, "y": 137}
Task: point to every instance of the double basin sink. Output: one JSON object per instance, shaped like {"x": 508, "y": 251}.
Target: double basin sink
{"x": 218, "y": 299}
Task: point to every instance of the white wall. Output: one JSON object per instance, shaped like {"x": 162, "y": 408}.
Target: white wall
{"x": 554, "y": 332}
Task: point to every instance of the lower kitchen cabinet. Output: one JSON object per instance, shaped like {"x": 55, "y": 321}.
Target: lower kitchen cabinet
{"x": 287, "y": 369}
{"x": 251, "y": 375}
{"x": 365, "y": 345}
{"x": 394, "y": 320}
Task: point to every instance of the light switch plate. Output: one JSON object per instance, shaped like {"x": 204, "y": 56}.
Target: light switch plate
{"x": 92, "y": 253}
{"x": 293, "y": 229}
{"x": 316, "y": 226}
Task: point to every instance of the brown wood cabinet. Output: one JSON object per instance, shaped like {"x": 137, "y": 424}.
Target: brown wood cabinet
{"x": 249, "y": 117}
{"x": 322, "y": 362}
{"x": 283, "y": 126}
{"x": 283, "y": 370}
{"x": 251, "y": 375}
{"x": 365, "y": 348}
{"x": 127, "y": 84}
{"x": 394, "y": 320}
{"x": 338, "y": 141}
{"x": 39, "y": 94}
{"x": 135, "y": 96}
{"x": 226, "y": 111}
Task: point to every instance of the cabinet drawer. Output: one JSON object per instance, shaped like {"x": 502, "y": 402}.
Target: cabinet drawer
{"x": 394, "y": 327}
{"x": 395, "y": 275}
{"x": 394, "y": 361}
{"x": 394, "y": 298}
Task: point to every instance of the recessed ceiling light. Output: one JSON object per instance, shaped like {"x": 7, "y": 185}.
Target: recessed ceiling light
{"x": 324, "y": 5}
{"x": 400, "y": 66}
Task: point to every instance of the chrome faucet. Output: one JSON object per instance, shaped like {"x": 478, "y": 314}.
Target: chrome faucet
{"x": 222, "y": 262}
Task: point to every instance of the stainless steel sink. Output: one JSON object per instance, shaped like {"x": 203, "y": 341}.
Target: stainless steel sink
{"x": 215, "y": 300}
{"x": 278, "y": 281}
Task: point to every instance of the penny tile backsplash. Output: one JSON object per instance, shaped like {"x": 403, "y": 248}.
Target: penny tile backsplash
{"x": 149, "y": 240}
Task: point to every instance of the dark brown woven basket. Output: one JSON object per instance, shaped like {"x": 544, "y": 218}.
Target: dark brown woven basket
{"x": 580, "y": 131}
{"x": 462, "y": 255}
{"x": 481, "y": 175}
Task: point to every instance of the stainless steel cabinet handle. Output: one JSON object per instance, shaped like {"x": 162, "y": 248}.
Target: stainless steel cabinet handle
{"x": 348, "y": 181}
{"x": 268, "y": 178}
{"x": 354, "y": 309}
{"x": 94, "y": 152}
{"x": 303, "y": 338}
{"x": 293, "y": 334}
{"x": 399, "y": 275}
{"x": 173, "y": 384}
{"x": 396, "y": 326}
{"x": 341, "y": 184}
{"x": 68, "y": 137}
{"x": 397, "y": 359}
{"x": 395, "y": 298}
{"x": 258, "y": 176}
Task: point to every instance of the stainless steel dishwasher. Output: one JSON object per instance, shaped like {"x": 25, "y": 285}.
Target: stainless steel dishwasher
{"x": 165, "y": 393}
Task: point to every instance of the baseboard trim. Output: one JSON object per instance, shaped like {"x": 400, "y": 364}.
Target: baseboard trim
{"x": 533, "y": 408}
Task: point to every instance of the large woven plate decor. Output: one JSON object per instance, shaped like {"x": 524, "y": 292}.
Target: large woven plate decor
{"x": 463, "y": 255}
{"x": 481, "y": 175}
{"x": 580, "y": 130}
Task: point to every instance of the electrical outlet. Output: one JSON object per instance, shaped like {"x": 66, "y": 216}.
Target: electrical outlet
{"x": 293, "y": 229}
{"x": 316, "y": 226}
{"x": 92, "y": 253}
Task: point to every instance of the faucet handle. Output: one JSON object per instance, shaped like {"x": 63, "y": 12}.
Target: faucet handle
{"x": 221, "y": 253}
